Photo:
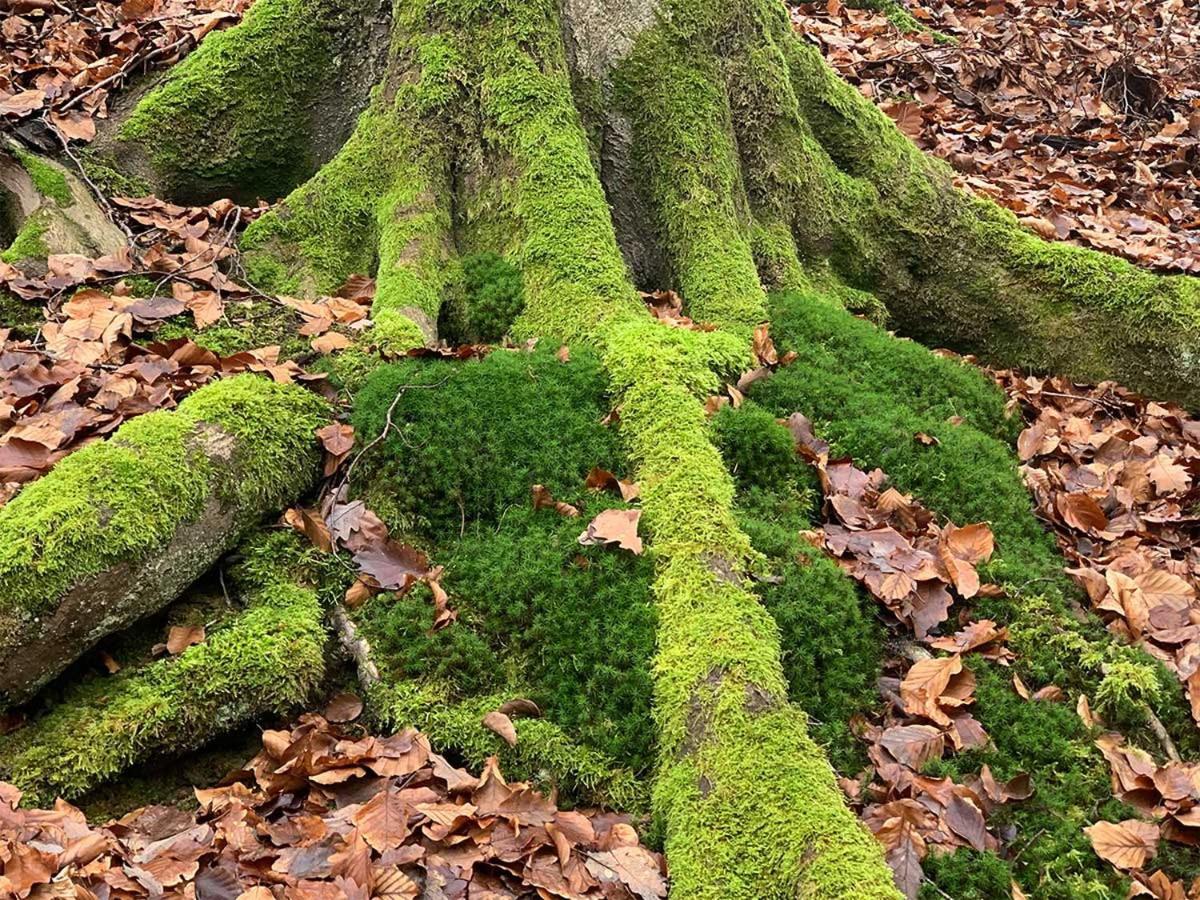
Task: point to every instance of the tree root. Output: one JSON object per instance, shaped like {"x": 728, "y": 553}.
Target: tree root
{"x": 265, "y": 661}
{"x": 117, "y": 530}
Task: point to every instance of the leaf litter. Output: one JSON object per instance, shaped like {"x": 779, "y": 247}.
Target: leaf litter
{"x": 322, "y": 813}
{"x": 1080, "y": 116}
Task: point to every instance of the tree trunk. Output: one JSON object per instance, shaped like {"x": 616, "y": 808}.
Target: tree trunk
{"x": 692, "y": 144}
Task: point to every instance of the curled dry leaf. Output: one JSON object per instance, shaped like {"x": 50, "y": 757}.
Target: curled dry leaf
{"x": 180, "y": 637}
{"x": 502, "y": 725}
{"x": 344, "y": 707}
{"x": 542, "y": 499}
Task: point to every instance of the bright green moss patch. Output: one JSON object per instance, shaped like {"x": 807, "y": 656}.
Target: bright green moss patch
{"x": 233, "y": 116}
{"x": 29, "y": 243}
{"x": 570, "y": 628}
{"x": 471, "y": 439}
{"x": 47, "y": 178}
{"x": 123, "y": 498}
{"x": 267, "y": 659}
{"x": 672, "y": 89}
{"x": 757, "y": 450}
{"x": 493, "y": 297}
{"x": 23, "y": 317}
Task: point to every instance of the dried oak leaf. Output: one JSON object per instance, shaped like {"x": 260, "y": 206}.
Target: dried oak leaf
{"x": 180, "y": 637}
{"x": 543, "y": 499}
{"x": 344, "y": 707}
{"x": 502, "y": 725}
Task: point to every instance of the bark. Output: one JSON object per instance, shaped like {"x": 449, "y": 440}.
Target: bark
{"x": 117, "y": 530}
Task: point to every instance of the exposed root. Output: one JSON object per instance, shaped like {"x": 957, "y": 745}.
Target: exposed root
{"x": 266, "y": 661}
{"x": 117, "y": 530}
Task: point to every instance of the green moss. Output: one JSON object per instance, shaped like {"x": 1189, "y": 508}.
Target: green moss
{"x": 672, "y": 89}
{"x": 570, "y": 628}
{"x": 102, "y": 169}
{"x": 123, "y": 498}
{"x": 543, "y": 752}
{"x": 757, "y": 450}
{"x": 493, "y": 297}
{"x": 267, "y": 659}
{"x": 573, "y": 273}
{"x": 23, "y": 317}
{"x": 720, "y": 692}
{"x": 232, "y": 117}
{"x": 47, "y": 178}
{"x": 486, "y": 431}
{"x": 871, "y": 410}
{"x": 29, "y": 243}
{"x": 262, "y": 323}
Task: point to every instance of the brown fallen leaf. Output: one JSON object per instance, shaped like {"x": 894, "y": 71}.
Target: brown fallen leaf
{"x": 614, "y": 526}
{"x": 1127, "y": 845}
{"x": 542, "y": 499}
{"x": 180, "y": 637}
{"x": 344, "y": 707}
{"x": 330, "y": 341}
{"x": 599, "y": 479}
{"x": 502, "y": 725}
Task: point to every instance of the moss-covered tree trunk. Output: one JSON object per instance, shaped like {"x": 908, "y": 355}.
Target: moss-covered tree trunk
{"x": 603, "y": 145}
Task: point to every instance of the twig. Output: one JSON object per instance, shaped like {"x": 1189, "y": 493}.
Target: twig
{"x": 1164, "y": 739}
{"x": 356, "y": 645}
{"x": 936, "y": 888}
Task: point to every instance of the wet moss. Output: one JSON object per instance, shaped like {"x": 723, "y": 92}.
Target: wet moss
{"x": 29, "y": 242}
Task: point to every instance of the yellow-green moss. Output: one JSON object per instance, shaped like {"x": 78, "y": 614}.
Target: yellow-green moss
{"x": 732, "y": 828}
{"x": 265, "y": 660}
{"x": 47, "y": 178}
{"x": 123, "y": 498}
{"x": 29, "y": 243}
{"x": 233, "y": 116}
{"x": 671, "y": 86}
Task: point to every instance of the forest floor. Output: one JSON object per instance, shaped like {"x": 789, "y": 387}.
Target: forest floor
{"x": 89, "y": 343}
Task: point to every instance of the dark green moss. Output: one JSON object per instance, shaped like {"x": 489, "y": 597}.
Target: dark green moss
{"x": 492, "y": 299}
{"x": 966, "y": 875}
{"x": 872, "y": 411}
{"x": 757, "y": 450}
{"x": 22, "y": 317}
{"x": 571, "y": 628}
{"x": 470, "y": 439}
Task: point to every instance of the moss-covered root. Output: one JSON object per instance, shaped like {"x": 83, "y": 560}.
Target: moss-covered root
{"x": 748, "y": 800}
{"x": 265, "y": 660}
{"x": 48, "y": 210}
{"x": 381, "y": 205}
{"x": 672, "y": 88}
{"x": 956, "y": 270}
{"x": 119, "y": 528}
{"x": 543, "y": 751}
{"x": 257, "y": 107}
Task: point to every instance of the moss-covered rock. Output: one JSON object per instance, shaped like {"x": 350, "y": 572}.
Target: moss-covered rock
{"x": 119, "y": 528}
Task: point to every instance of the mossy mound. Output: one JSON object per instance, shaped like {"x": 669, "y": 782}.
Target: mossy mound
{"x": 540, "y": 617}
{"x": 873, "y": 412}
{"x": 492, "y": 298}
{"x": 569, "y": 627}
{"x": 470, "y": 439}
{"x": 832, "y": 642}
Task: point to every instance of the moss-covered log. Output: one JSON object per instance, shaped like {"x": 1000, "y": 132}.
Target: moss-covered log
{"x": 120, "y": 528}
{"x": 266, "y": 660}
